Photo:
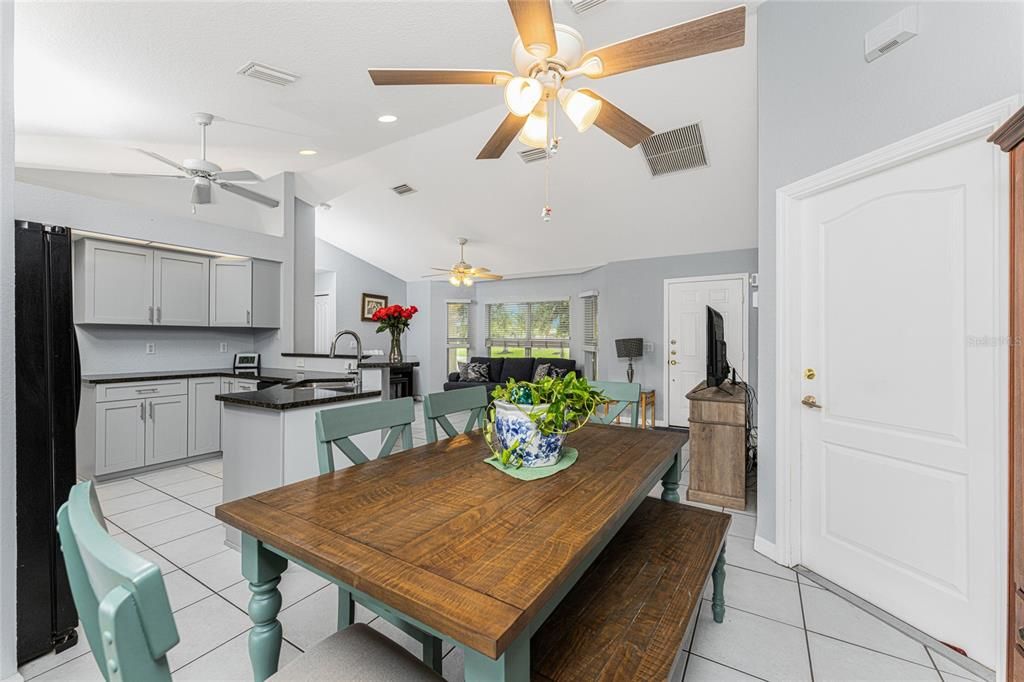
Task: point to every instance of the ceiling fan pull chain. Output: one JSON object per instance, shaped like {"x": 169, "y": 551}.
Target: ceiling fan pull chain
{"x": 545, "y": 213}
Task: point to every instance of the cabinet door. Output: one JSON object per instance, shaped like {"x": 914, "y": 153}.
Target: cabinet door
{"x": 203, "y": 416}
{"x": 181, "y": 289}
{"x": 167, "y": 430}
{"x": 120, "y": 435}
{"x": 230, "y": 293}
{"x": 116, "y": 282}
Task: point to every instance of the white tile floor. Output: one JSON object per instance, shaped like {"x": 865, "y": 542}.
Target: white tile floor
{"x": 777, "y": 626}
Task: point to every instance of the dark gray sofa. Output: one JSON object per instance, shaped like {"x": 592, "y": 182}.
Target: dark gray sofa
{"x": 503, "y": 369}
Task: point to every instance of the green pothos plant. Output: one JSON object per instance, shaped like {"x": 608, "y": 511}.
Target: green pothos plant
{"x": 568, "y": 401}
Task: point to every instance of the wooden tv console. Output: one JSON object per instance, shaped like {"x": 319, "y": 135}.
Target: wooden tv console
{"x": 718, "y": 445}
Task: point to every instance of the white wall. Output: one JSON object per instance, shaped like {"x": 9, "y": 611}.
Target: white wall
{"x": 8, "y": 538}
{"x": 304, "y": 274}
{"x": 353, "y": 277}
{"x": 821, "y": 104}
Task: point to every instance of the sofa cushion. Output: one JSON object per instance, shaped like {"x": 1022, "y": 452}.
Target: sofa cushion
{"x": 495, "y": 364}
{"x": 520, "y": 369}
{"x": 475, "y": 371}
{"x": 560, "y": 363}
{"x": 456, "y": 385}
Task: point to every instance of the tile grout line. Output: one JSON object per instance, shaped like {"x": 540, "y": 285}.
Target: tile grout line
{"x": 807, "y": 637}
{"x": 742, "y": 672}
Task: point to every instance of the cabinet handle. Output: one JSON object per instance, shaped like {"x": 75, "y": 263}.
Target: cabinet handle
{"x": 248, "y": 317}
{"x": 151, "y": 314}
{"x": 142, "y": 410}
{"x": 146, "y": 390}
{"x": 159, "y": 316}
{"x": 150, "y": 410}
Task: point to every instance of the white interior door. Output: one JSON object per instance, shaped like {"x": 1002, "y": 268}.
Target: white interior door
{"x": 899, "y": 272}
{"x": 323, "y": 319}
{"x": 686, "y": 322}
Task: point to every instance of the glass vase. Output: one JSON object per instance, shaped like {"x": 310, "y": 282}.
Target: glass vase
{"x": 396, "y": 347}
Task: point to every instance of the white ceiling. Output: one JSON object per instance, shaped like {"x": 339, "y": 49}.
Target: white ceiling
{"x": 95, "y": 78}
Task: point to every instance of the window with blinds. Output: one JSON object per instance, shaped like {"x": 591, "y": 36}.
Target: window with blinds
{"x": 530, "y": 329}
{"x": 590, "y": 334}
{"x": 458, "y": 334}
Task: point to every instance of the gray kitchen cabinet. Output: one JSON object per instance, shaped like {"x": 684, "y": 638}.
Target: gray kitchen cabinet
{"x": 120, "y": 435}
{"x": 245, "y": 292}
{"x": 204, "y": 415}
{"x": 181, "y": 289}
{"x": 113, "y": 283}
{"x": 167, "y": 429}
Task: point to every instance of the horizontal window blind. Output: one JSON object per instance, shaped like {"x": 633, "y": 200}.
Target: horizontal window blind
{"x": 537, "y": 324}
{"x": 590, "y": 323}
{"x": 458, "y": 323}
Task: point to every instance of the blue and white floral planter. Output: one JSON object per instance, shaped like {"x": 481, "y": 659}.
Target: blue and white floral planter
{"x": 512, "y": 423}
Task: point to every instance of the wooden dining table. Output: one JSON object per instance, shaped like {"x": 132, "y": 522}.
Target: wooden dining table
{"x": 442, "y": 540}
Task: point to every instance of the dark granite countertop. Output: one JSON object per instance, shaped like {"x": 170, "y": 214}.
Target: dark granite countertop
{"x": 337, "y": 356}
{"x": 282, "y": 398}
{"x": 381, "y": 361}
{"x": 265, "y": 374}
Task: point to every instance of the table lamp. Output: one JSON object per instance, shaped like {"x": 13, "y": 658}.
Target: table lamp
{"x": 629, "y": 348}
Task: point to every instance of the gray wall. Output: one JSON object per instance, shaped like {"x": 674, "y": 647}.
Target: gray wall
{"x": 107, "y": 348}
{"x": 302, "y": 288}
{"x": 820, "y": 104}
{"x": 630, "y": 303}
{"x": 353, "y": 277}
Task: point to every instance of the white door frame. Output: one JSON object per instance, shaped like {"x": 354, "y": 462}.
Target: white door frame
{"x": 333, "y": 307}
{"x": 978, "y": 124}
{"x": 745, "y": 305}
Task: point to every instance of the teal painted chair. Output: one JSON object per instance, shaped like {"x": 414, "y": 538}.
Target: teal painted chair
{"x": 123, "y": 606}
{"x": 624, "y": 396}
{"x": 337, "y": 426}
{"x": 437, "y": 407}
{"x": 334, "y": 429}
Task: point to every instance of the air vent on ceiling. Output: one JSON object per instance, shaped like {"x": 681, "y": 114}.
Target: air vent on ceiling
{"x": 267, "y": 73}
{"x": 533, "y": 154}
{"x": 402, "y": 190}
{"x": 581, "y": 6}
{"x": 675, "y": 150}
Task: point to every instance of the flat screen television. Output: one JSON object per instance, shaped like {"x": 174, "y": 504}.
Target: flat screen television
{"x": 718, "y": 367}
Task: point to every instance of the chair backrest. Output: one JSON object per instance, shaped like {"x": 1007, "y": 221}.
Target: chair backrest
{"x": 624, "y": 395}
{"x": 337, "y": 425}
{"x": 120, "y": 597}
{"x": 437, "y": 407}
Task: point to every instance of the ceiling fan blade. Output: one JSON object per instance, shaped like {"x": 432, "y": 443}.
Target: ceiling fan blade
{"x": 502, "y": 137}
{"x": 439, "y": 77}
{"x": 201, "y": 191}
{"x": 237, "y": 176}
{"x": 437, "y": 275}
{"x": 618, "y": 123}
{"x": 488, "y": 275}
{"x": 162, "y": 159}
{"x": 479, "y": 270}
{"x": 442, "y": 269}
{"x": 535, "y": 25}
{"x": 149, "y": 175}
{"x": 249, "y": 194}
{"x": 713, "y": 33}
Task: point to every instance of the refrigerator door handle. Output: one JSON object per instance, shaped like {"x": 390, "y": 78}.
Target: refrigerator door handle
{"x": 78, "y": 373}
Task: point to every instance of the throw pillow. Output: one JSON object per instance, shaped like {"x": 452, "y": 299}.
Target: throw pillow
{"x": 543, "y": 370}
{"x": 474, "y": 371}
{"x": 557, "y": 372}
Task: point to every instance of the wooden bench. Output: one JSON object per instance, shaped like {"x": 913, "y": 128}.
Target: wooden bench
{"x": 628, "y": 615}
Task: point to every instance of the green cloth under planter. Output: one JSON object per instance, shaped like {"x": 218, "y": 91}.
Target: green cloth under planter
{"x": 568, "y": 458}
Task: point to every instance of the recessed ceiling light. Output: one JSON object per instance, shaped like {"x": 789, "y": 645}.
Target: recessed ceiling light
{"x": 387, "y": 118}
{"x": 307, "y": 152}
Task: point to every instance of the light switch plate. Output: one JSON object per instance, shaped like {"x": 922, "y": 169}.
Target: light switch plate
{"x": 300, "y": 362}
{"x": 223, "y": 347}
{"x": 648, "y": 346}
{"x": 150, "y": 348}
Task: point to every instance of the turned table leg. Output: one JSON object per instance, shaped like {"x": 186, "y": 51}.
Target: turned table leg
{"x": 718, "y": 579}
{"x": 670, "y": 482}
{"x": 263, "y": 569}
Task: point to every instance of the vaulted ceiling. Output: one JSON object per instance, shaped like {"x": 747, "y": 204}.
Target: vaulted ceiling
{"x": 96, "y": 78}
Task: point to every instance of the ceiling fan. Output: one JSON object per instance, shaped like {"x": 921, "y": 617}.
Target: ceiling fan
{"x": 462, "y": 273}
{"x": 546, "y": 55}
{"x": 204, "y": 174}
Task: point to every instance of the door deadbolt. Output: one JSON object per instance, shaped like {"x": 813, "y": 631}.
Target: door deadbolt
{"x": 809, "y": 373}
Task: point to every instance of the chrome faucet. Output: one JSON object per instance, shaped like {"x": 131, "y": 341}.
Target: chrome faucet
{"x": 359, "y": 349}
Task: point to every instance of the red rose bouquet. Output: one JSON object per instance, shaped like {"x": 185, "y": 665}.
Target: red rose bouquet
{"x": 394, "y": 319}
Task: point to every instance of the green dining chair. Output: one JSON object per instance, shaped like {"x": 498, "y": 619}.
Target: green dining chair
{"x": 122, "y": 604}
{"x": 437, "y": 407}
{"x": 337, "y": 426}
{"x": 623, "y": 395}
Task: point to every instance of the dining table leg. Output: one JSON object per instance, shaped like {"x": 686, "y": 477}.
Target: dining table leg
{"x": 511, "y": 666}
{"x": 263, "y": 569}
{"x": 670, "y": 481}
{"x": 718, "y": 581}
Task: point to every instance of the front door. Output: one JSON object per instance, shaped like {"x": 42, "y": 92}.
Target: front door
{"x": 686, "y": 351}
{"x": 899, "y": 323}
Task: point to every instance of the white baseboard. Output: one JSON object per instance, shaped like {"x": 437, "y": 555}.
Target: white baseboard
{"x": 16, "y": 677}
{"x": 765, "y": 547}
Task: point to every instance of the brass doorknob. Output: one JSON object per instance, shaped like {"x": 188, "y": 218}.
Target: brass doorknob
{"x": 672, "y": 362}
{"x": 811, "y": 401}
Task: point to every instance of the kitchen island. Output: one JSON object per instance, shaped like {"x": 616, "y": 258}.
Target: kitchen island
{"x": 269, "y": 436}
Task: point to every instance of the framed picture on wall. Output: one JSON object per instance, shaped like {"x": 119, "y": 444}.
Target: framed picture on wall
{"x": 371, "y": 303}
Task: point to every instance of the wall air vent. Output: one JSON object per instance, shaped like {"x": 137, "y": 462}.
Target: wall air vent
{"x": 675, "y": 150}
{"x": 890, "y": 34}
{"x": 533, "y": 154}
{"x": 581, "y": 6}
{"x": 402, "y": 190}
{"x": 268, "y": 74}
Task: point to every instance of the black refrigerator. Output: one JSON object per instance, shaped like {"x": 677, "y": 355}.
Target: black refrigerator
{"x": 48, "y": 391}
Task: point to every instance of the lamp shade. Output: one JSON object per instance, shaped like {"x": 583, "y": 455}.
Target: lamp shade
{"x": 629, "y": 348}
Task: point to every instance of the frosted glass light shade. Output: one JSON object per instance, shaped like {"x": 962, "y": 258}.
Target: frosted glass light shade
{"x": 581, "y": 109}
{"x": 535, "y": 132}
{"x": 522, "y": 95}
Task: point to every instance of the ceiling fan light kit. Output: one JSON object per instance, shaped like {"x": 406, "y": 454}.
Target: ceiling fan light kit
{"x": 462, "y": 274}
{"x": 522, "y": 95}
{"x": 535, "y": 130}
